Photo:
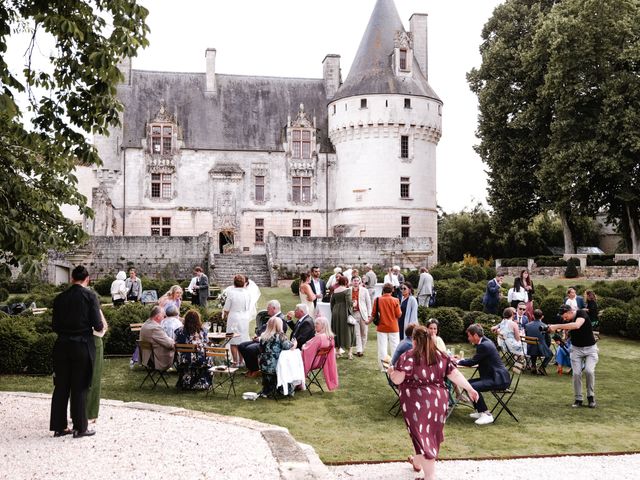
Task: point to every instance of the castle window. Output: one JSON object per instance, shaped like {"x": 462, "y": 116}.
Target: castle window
{"x": 403, "y": 59}
{"x": 301, "y": 144}
{"x": 301, "y": 189}
{"x": 407, "y": 103}
{"x": 161, "y": 185}
{"x": 259, "y": 193}
{"x": 404, "y": 187}
{"x": 161, "y": 139}
{"x": 363, "y": 103}
{"x": 334, "y": 109}
{"x": 404, "y": 227}
{"x": 301, "y": 227}
{"x": 404, "y": 146}
{"x": 160, "y": 225}
{"x": 259, "y": 230}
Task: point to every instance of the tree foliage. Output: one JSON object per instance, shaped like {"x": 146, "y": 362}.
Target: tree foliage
{"x": 46, "y": 114}
{"x": 560, "y": 106}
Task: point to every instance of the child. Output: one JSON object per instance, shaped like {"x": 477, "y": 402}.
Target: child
{"x": 562, "y": 352}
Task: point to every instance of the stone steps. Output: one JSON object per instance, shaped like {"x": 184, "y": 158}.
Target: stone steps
{"x": 226, "y": 266}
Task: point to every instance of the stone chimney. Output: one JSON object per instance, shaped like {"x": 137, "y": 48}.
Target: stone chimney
{"x": 124, "y": 65}
{"x": 210, "y": 55}
{"x": 418, "y": 25}
{"x": 331, "y": 74}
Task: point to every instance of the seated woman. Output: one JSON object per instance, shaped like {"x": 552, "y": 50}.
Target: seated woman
{"x": 433, "y": 327}
{"x": 323, "y": 339}
{"x": 192, "y": 367}
{"x": 272, "y": 342}
{"x": 172, "y": 297}
{"x": 510, "y": 333}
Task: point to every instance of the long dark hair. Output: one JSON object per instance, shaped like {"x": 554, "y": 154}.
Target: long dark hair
{"x": 528, "y": 281}
{"x": 425, "y": 347}
{"x": 192, "y": 322}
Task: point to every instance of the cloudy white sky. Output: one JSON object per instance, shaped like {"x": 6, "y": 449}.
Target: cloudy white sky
{"x": 292, "y": 37}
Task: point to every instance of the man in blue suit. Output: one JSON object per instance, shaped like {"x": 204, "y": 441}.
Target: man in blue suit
{"x": 491, "y": 297}
{"x": 532, "y": 329}
{"x": 493, "y": 374}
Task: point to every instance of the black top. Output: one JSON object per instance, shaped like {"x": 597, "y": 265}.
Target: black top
{"x": 592, "y": 307}
{"x": 489, "y": 363}
{"x": 582, "y": 337}
{"x": 76, "y": 311}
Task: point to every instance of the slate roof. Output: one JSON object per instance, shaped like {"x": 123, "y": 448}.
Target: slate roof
{"x": 371, "y": 71}
{"x": 247, "y": 113}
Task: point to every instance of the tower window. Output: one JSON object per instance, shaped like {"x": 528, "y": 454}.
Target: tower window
{"x": 403, "y": 59}
{"x": 407, "y": 103}
{"x": 363, "y": 103}
{"x": 334, "y": 109}
{"x": 404, "y": 227}
{"x": 404, "y": 146}
{"x": 259, "y": 193}
{"x": 404, "y": 187}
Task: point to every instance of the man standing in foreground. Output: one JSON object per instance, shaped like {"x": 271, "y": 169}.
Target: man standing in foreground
{"x": 493, "y": 374}
{"x": 75, "y": 312}
{"x": 583, "y": 349}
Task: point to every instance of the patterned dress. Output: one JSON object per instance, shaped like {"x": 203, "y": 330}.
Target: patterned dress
{"x": 193, "y": 370}
{"x": 424, "y": 400}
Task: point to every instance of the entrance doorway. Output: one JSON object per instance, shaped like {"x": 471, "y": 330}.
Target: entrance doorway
{"x": 225, "y": 238}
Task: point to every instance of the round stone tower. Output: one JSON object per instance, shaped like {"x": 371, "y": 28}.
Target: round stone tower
{"x": 385, "y": 122}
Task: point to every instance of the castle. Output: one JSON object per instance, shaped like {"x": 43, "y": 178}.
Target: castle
{"x": 238, "y": 156}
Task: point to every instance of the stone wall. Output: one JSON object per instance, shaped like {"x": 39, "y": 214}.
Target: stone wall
{"x": 157, "y": 257}
{"x": 290, "y": 255}
{"x": 618, "y": 272}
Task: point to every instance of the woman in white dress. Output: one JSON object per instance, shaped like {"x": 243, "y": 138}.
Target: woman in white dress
{"x": 237, "y": 310}
{"x": 306, "y": 294}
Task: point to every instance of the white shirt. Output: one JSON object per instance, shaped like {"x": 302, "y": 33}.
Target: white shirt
{"x": 392, "y": 279}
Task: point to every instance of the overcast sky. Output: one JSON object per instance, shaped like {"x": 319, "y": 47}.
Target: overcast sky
{"x": 290, "y": 38}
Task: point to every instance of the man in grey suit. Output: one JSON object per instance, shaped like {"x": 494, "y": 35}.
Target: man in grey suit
{"x": 163, "y": 345}
{"x": 201, "y": 286}
{"x": 425, "y": 287}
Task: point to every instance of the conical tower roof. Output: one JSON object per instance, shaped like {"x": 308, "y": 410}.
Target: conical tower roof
{"x": 371, "y": 71}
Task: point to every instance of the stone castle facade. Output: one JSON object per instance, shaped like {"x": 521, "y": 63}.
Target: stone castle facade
{"x": 237, "y": 157}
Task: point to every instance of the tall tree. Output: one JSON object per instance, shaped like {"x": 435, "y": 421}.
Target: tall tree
{"x": 69, "y": 98}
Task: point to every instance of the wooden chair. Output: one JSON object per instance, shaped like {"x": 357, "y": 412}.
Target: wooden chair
{"x": 527, "y": 343}
{"x": 149, "y": 365}
{"x": 135, "y": 327}
{"x": 504, "y": 396}
{"x": 395, "y": 407}
{"x": 221, "y": 367}
{"x": 316, "y": 367}
{"x": 183, "y": 348}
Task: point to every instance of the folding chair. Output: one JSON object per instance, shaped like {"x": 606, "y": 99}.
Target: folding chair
{"x": 504, "y": 396}
{"x": 316, "y": 367}
{"x": 527, "y": 343}
{"x": 221, "y": 367}
{"x": 183, "y": 348}
{"x": 395, "y": 407}
{"x": 150, "y": 364}
{"x": 508, "y": 357}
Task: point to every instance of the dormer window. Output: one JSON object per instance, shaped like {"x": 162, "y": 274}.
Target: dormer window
{"x": 403, "y": 59}
{"x": 161, "y": 139}
{"x": 403, "y": 53}
{"x": 301, "y": 144}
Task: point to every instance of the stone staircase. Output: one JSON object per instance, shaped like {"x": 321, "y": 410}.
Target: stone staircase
{"x": 226, "y": 266}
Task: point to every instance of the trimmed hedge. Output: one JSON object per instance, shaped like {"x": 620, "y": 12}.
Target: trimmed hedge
{"x": 467, "y": 296}
{"x": 633, "y": 324}
{"x": 119, "y": 340}
{"x": 613, "y": 321}
{"x": 450, "y": 318}
{"x": 16, "y": 339}
{"x": 40, "y": 358}
{"x": 550, "y": 306}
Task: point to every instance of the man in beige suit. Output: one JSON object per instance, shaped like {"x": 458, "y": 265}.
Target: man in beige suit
{"x": 163, "y": 345}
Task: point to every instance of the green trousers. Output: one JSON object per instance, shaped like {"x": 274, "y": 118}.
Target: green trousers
{"x": 93, "y": 395}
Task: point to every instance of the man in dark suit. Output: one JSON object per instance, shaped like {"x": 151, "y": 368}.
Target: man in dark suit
{"x": 493, "y": 374}
{"x": 532, "y": 329}
{"x": 76, "y": 313}
{"x": 201, "y": 286}
{"x": 304, "y": 330}
{"x": 491, "y": 297}
{"x": 317, "y": 284}
{"x": 250, "y": 350}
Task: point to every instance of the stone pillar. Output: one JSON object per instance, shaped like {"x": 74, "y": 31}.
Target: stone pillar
{"x": 418, "y": 25}
{"x": 210, "y": 56}
{"x": 331, "y": 74}
{"x": 124, "y": 65}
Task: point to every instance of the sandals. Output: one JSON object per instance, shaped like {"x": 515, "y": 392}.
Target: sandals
{"x": 410, "y": 460}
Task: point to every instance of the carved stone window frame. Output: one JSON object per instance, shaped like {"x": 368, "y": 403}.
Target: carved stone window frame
{"x": 163, "y": 168}
{"x": 403, "y": 45}
{"x": 260, "y": 170}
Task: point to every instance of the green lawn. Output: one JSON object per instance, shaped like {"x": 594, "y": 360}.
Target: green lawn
{"x": 352, "y": 423}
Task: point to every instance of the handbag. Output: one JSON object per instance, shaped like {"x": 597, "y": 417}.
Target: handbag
{"x": 376, "y": 317}
{"x": 351, "y": 320}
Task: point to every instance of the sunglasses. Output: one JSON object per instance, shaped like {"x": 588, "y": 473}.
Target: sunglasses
{"x": 522, "y": 309}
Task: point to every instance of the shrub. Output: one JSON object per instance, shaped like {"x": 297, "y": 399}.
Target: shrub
{"x": 469, "y": 273}
{"x": 613, "y": 320}
{"x": 451, "y": 326}
{"x": 608, "y": 302}
{"x": 633, "y": 324}
{"x": 550, "y": 306}
{"x": 119, "y": 340}
{"x": 4, "y": 294}
{"x": 467, "y": 296}
{"x": 602, "y": 289}
{"x": 476, "y": 304}
{"x": 40, "y": 358}
{"x": 622, "y": 290}
{"x": 572, "y": 270}
{"x": 413, "y": 277}
{"x": 295, "y": 286}
{"x": 471, "y": 317}
{"x": 102, "y": 286}
{"x": 489, "y": 273}
{"x": 15, "y": 342}
{"x": 42, "y": 323}
{"x": 540, "y": 290}
{"x": 443, "y": 271}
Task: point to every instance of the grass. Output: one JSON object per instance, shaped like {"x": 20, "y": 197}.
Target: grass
{"x": 352, "y": 423}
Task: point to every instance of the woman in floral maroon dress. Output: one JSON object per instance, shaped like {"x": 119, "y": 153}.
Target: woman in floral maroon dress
{"x": 420, "y": 374}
